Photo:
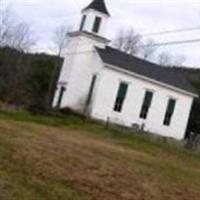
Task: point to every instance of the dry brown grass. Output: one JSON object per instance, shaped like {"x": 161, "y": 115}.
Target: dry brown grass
{"x": 40, "y": 162}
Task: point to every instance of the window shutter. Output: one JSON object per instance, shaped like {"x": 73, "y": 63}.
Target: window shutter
{"x": 148, "y": 98}
{"x": 169, "y": 112}
{"x": 122, "y": 90}
{"x": 171, "y": 106}
{"x": 121, "y": 94}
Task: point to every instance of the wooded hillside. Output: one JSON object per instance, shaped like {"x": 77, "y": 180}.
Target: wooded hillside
{"x": 193, "y": 75}
{"x": 28, "y": 80}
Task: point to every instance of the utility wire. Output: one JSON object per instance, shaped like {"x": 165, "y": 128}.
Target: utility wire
{"x": 166, "y": 32}
{"x": 181, "y": 42}
{"x": 172, "y": 31}
{"x": 151, "y": 45}
{"x": 172, "y": 43}
{"x": 164, "y": 43}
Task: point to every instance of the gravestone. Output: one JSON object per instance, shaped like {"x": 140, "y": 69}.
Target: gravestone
{"x": 193, "y": 141}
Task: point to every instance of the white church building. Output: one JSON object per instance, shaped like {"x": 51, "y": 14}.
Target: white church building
{"x": 107, "y": 84}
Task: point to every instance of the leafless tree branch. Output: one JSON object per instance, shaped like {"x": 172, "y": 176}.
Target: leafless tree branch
{"x": 60, "y": 38}
{"x": 166, "y": 59}
{"x": 128, "y": 42}
{"x": 13, "y": 33}
{"x": 148, "y": 49}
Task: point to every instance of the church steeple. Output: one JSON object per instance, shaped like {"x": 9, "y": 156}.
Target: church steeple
{"x": 98, "y": 5}
{"x": 94, "y": 18}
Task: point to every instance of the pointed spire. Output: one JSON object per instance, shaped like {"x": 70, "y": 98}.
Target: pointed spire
{"x": 98, "y": 5}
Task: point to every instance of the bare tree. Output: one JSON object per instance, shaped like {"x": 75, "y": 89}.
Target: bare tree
{"x": 132, "y": 43}
{"x": 22, "y": 37}
{"x": 148, "y": 49}
{"x": 179, "y": 60}
{"x": 6, "y": 25}
{"x": 166, "y": 59}
{"x": 13, "y": 33}
{"x": 128, "y": 42}
{"x": 60, "y": 38}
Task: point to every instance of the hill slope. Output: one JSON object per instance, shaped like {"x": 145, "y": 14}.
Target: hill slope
{"x": 83, "y": 161}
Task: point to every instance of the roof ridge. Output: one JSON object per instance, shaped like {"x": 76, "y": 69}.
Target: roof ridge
{"x": 136, "y": 57}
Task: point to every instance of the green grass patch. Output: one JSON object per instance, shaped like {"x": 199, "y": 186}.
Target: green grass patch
{"x": 38, "y": 119}
{"x": 118, "y": 135}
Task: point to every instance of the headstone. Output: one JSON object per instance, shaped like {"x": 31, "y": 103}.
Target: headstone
{"x": 193, "y": 141}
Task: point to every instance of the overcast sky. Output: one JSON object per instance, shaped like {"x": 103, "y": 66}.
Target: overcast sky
{"x": 145, "y": 16}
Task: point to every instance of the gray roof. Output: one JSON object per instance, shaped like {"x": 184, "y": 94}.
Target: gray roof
{"x": 167, "y": 75}
{"x": 98, "y": 5}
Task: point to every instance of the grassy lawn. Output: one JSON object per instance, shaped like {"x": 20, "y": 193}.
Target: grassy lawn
{"x": 52, "y": 158}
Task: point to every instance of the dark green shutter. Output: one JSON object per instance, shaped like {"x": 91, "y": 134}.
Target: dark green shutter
{"x": 169, "y": 112}
{"x": 121, "y": 94}
{"x": 148, "y": 98}
{"x": 171, "y": 106}
{"x": 97, "y": 23}
{"x": 122, "y": 90}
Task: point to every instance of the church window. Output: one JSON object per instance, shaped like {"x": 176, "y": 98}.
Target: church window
{"x": 146, "y": 104}
{"x": 96, "y": 26}
{"x": 169, "y": 112}
{"x": 121, "y": 95}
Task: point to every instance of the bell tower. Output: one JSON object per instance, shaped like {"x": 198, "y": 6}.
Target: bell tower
{"x": 94, "y": 18}
{"x": 81, "y": 64}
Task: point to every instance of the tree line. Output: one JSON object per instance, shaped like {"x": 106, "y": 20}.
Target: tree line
{"x": 25, "y": 78}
